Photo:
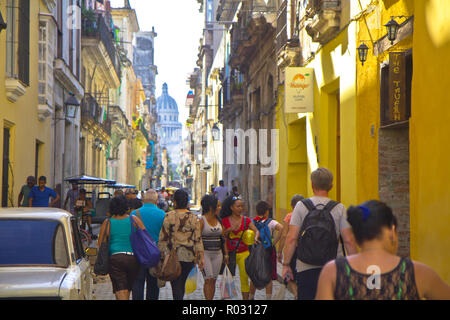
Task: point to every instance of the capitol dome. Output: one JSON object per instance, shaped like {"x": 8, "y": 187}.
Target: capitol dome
{"x": 167, "y": 107}
{"x": 170, "y": 129}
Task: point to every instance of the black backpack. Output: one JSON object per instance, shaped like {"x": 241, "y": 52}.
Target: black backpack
{"x": 317, "y": 242}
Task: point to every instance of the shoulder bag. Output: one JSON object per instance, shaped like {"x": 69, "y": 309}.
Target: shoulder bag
{"x": 101, "y": 265}
{"x": 144, "y": 247}
{"x": 169, "y": 268}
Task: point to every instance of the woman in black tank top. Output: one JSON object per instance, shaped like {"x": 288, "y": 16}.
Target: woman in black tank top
{"x": 376, "y": 272}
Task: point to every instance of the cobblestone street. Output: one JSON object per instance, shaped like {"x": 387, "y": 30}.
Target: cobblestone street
{"x": 103, "y": 290}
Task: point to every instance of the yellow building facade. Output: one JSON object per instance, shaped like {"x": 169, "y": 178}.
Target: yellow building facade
{"x": 25, "y": 140}
{"x": 141, "y": 136}
{"x": 403, "y": 163}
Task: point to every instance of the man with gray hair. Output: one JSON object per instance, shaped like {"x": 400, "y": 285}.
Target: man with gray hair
{"x": 307, "y": 275}
{"x": 153, "y": 219}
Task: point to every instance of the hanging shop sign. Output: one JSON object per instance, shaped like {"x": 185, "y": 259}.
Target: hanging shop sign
{"x": 299, "y": 90}
{"x": 397, "y": 86}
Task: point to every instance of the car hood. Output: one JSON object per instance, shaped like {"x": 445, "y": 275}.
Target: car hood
{"x": 30, "y": 282}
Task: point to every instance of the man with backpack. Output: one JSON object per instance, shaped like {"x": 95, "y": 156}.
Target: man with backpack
{"x": 269, "y": 234}
{"x": 318, "y": 231}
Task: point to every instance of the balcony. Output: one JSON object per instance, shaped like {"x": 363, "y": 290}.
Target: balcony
{"x": 98, "y": 39}
{"x": 226, "y": 10}
{"x": 92, "y": 114}
{"x": 326, "y": 18}
{"x": 251, "y": 30}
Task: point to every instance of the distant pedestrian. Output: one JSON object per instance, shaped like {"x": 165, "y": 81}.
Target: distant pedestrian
{"x": 221, "y": 192}
{"x": 118, "y": 193}
{"x": 153, "y": 219}
{"x": 83, "y": 207}
{"x": 40, "y": 195}
{"x": 235, "y": 225}
{"x": 262, "y": 212}
{"x": 25, "y": 192}
{"x": 72, "y": 194}
{"x": 181, "y": 229}
{"x": 134, "y": 204}
{"x": 211, "y": 192}
{"x": 164, "y": 193}
{"x": 215, "y": 248}
{"x": 130, "y": 194}
{"x": 235, "y": 192}
{"x": 293, "y": 264}
{"x": 123, "y": 264}
{"x": 307, "y": 215}
{"x": 395, "y": 278}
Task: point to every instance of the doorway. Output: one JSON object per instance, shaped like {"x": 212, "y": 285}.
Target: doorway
{"x": 5, "y": 166}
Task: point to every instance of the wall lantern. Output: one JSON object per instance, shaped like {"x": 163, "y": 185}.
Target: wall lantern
{"x": 215, "y": 132}
{"x": 392, "y": 30}
{"x": 393, "y": 27}
{"x": 2, "y": 23}
{"x": 71, "y": 106}
{"x": 363, "y": 49}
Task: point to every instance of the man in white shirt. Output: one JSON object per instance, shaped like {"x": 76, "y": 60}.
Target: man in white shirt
{"x": 308, "y": 275}
{"x": 221, "y": 192}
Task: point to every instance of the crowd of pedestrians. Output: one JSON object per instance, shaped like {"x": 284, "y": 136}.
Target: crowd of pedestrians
{"x": 326, "y": 251}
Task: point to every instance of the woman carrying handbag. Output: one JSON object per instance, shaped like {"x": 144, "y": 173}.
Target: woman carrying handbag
{"x": 181, "y": 234}
{"x": 122, "y": 263}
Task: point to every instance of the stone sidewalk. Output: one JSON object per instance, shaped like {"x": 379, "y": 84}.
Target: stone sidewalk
{"x": 103, "y": 290}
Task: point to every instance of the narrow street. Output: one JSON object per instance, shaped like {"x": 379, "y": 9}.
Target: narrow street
{"x": 236, "y": 110}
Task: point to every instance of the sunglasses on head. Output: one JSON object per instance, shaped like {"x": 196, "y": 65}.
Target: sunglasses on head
{"x": 237, "y": 198}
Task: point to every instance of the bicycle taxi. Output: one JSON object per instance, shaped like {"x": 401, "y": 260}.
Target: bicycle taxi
{"x": 95, "y": 205}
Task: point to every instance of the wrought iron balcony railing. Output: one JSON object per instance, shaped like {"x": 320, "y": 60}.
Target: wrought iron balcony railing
{"x": 97, "y": 28}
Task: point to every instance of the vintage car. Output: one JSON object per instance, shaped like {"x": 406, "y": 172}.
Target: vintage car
{"x": 41, "y": 256}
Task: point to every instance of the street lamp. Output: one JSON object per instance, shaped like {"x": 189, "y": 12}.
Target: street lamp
{"x": 215, "y": 132}
{"x": 363, "y": 49}
{"x": 392, "y": 30}
{"x": 3, "y": 25}
{"x": 71, "y": 106}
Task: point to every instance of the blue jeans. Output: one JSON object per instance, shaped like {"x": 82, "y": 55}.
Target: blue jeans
{"x": 152, "y": 292}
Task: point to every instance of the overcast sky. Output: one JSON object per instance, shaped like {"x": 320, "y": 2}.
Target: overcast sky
{"x": 178, "y": 24}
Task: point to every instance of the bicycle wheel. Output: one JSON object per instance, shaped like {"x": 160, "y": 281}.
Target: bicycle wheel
{"x": 85, "y": 238}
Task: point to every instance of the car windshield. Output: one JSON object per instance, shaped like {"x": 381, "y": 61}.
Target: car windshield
{"x": 32, "y": 242}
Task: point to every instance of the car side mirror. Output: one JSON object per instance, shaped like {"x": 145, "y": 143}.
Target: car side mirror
{"x": 91, "y": 252}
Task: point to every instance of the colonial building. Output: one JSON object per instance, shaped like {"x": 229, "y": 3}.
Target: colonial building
{"x": 60, "y": 52}
{"x": 246, "y": 94}
{"x": 123, "y": 162}
{"x": 101, "y": 77}
{"x": 378, "y": 113}
{"x": 25, "y": 127}
{"x": 169, "y": 128}
{"x": 146, "y": 71}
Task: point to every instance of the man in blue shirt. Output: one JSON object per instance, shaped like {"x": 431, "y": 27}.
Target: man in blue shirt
{"x": 40, "y": 195}
{"x": 153, "y": 219}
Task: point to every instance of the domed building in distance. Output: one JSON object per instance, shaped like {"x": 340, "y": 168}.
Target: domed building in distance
{"x": 170, "y": 129}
